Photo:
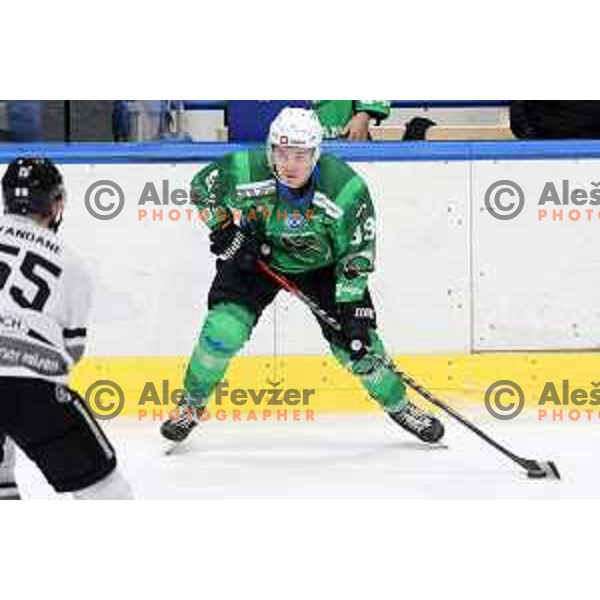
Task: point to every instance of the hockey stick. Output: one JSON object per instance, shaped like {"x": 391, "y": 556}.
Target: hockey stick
{"x": 535, "y": 469}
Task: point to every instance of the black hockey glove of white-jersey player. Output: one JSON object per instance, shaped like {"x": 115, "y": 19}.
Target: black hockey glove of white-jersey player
{"x": 230, "y": 243}
{"x": 356, "y": 320}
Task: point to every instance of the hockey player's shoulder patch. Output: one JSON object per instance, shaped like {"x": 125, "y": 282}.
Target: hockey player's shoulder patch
{"x": 255, "y": 189}
{"x": 331, "y": 209}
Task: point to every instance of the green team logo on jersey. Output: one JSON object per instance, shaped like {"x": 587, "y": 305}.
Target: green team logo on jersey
{"x": 306, "y": 246}
{"x": 358, "y": 263}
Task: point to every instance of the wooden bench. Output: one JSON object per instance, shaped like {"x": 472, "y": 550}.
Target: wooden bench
{"x": 437, "y": 132}
{"x": 447, "y": 132}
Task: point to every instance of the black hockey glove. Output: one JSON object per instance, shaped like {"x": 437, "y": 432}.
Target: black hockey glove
{"x": 356, "y": 321}
{"x": 230, "y": 243}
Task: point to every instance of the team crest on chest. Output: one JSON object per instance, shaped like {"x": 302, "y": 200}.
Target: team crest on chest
{"x": 296, "y": 220}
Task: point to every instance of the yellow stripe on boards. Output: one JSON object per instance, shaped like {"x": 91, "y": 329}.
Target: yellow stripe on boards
{"x": 462, "y": 379}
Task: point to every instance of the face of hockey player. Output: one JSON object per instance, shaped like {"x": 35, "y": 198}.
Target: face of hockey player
{"x": 294, "y": 165}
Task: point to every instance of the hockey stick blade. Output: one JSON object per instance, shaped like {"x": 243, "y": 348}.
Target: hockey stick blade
{"x": 541, "y": 469}
{"x": 535, "y": 469}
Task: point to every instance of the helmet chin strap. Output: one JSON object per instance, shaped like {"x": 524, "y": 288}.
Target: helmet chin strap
{"x": 57, "y": 219}
{"x": 56, "y": 222}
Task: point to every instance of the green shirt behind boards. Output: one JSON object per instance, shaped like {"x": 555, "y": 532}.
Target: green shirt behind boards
{"x": 335, "y": 114}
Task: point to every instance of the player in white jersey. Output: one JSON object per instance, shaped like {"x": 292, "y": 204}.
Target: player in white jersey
{"x": 44, "y": 302}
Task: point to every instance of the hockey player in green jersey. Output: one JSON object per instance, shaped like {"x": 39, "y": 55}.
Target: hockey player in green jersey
{"x": 311, "y": 217}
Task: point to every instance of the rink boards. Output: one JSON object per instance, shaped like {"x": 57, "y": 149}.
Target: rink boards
{"x": 463, "y": 298}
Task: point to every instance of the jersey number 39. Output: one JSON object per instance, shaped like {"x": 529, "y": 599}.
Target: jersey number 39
{"x": 364, "y": 233}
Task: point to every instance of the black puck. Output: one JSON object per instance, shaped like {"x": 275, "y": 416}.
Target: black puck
{"x": 537, "y": 474}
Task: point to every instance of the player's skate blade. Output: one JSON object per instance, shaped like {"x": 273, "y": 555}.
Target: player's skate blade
{"x": 177, "y": 430}
{"x": 424, "y": 425}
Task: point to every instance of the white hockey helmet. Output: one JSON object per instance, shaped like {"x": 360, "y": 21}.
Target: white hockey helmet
{"x": 296, "y": 128}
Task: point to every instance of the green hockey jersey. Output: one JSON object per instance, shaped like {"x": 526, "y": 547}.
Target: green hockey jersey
{"x": 334, "y": 227}
{"x": 334, "y": 115}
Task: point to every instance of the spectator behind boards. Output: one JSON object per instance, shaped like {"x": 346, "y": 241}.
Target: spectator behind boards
{"x": 349, "y": 119}
{"x": 555, "y": 119}
{"x": 248, "y": 120}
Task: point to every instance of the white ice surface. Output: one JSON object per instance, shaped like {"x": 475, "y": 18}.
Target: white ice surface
{"x": 347, "y": 456}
